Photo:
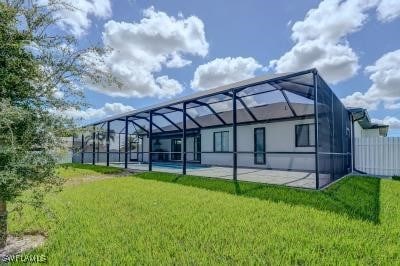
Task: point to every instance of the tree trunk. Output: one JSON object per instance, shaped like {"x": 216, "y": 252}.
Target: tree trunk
{"x": 3, "y": 224}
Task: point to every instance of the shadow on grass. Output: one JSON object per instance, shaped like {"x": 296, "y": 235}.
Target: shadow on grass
{"x": 355, "y": 196}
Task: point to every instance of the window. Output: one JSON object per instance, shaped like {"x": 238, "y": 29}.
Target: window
{"x": 197, "y": 148}
{"x": 221, "y": 141}
{"x": 305, "y": 135}
{"x": 259, "y": 145}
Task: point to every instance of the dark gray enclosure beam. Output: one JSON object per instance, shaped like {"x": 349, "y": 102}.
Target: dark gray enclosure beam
{"x": 82, "y": 149}
{"x": 244, "y": 105}
{"x": 108, "y": 143}
{"x": 169, "y": 120}
{"x": 139, "y": 126}
{"x": 234, "y": 129}
{"x": 211, "y": 109}
{"x": 151, "y": 141}
{"x": 289, "y": 103}
{"x": 73, "y": 145}
{"x": 188, "y": 115}
{"x": 194, "y": 121}
{"x": 297, "y": 83}
{"x": 316, "y": 128}
{"x": 126, "y": 142}
{"x": 309, "y": 93}
{"x": 276, "y": 85}
{"x": 148, "y": 120}
{"x": 184, "y": 140}
{"x": 174, "y": 109}
{"x": 94, "y": 145}
{"x": 119, "y": 147}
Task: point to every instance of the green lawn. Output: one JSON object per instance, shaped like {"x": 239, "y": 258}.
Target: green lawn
{"x": 155, "y": 218}
{"x": 95, "y": 168}
{"x": 343, "y": 197}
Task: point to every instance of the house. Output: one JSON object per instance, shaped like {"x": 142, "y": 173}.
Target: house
{"x": 363, "y": 127}
{"x": 278, "y": 128}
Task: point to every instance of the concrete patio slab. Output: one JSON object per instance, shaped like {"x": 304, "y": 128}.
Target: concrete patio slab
{"x": 266, "y": 176}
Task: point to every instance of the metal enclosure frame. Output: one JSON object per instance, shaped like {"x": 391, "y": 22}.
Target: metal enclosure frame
{"x": 332, "y": 123}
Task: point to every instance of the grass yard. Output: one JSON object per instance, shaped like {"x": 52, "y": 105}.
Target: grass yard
{"x": 157, "y": 218}
{"x": 93, "y": 168}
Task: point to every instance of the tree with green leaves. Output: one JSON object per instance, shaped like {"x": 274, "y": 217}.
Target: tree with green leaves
{"x": 41, "y": 70}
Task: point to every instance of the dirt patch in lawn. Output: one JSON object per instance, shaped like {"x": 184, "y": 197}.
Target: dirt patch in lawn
{"x": 95, "y": 177}
{"x": 19, "y": 244}
{"x": 86, "y": 179}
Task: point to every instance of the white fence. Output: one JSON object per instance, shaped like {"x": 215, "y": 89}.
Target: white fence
{"x": 378, "y": 155}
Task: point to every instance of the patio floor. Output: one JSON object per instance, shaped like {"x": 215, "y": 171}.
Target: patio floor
{"x": 279, "y": 177}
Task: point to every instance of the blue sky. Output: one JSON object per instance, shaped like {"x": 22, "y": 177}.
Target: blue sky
{"x": 356, "y": 40}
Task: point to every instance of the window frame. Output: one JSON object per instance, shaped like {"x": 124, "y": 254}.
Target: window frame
{"x": 196, "y": 151}
{"x": 296, "y": 135}
{"x": 255, "y": 145}
{"x": 221, "y": 134}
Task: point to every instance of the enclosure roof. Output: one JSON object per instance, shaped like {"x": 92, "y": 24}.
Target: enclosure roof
{"x": 223, "y": 89}
{"x": 273, "y": 111}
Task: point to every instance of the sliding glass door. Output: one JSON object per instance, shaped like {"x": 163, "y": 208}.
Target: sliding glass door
{"x": 176, "y": 149}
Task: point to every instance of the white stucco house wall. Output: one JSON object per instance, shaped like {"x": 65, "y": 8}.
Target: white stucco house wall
{"x": 274, "y": 134}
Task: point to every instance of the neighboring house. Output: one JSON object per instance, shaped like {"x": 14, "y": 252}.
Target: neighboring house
{"x": 363, "y": 127}
{"x": 274, "y": 123}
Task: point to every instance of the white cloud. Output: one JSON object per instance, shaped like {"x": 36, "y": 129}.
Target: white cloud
{"x": 358, "y": 99}
{"x": 385, "y": 74}
{"x": 335, "y": 62}
{"x": 139, "y": 50}
{"x": 75, "y": 16}
{"x": 222, "y": 71}
{"x": 107, "y": 110}
{"x": 392, "y": 105}
{"x": 393, "y": 122}
{"x": 388, "y": 10}
{"x": 385, "y": 77}
{"x": 320, "y": 40}
{"x": 177, "y": 61}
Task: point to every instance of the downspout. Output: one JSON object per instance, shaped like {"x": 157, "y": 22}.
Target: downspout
{"x": 354, "y": 169}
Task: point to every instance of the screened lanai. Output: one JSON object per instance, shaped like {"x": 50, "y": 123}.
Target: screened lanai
{"x": 288, "y": 129}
